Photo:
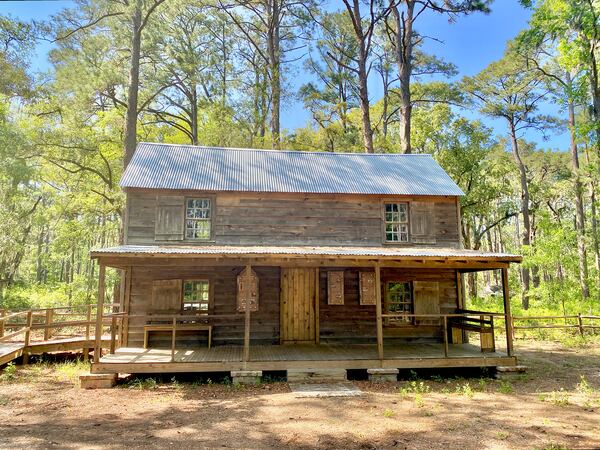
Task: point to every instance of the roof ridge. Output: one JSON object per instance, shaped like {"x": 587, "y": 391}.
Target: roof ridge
{"x": 285, "y": 151}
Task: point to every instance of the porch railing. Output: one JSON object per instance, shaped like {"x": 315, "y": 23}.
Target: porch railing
{"x": 40, "y": 325}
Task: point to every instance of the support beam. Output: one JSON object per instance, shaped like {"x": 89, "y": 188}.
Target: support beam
{"x": 317, "y": 307}
{"x": 27, "y": 337}
{"x": 378, "y": 312}
{"x": 247, "y": 324}
{"x": 99, "y": 312}
{"x": 509, "y": 325}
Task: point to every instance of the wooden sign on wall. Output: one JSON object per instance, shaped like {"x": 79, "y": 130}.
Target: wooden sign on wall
{"x": 247, "y": 283}
{"x": 335, "y": 287}
{"x": 367, "y": 288}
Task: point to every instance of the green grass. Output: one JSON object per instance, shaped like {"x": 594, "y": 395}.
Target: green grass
{"x": 9, "y": 373}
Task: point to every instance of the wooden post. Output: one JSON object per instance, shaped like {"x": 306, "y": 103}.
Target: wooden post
{"x": 247, "y": 326}
{"x": 508, "y": 316}
{"x": 317, "y": 306}
{"x": 113, "y": 333}
{"x": 125, "y": 320}
{"x": 173, "y": 339}
{"x": 86, "y": 344}
{"x": 580, "y": 323}
{"x": 27, "y": 337}
{"x": 99, "y": 313}
{"x": 47, "y": 329}
{"x": 445, "y": 336}
{"x": 378, "y": 312}
{"x": 1, "y": 323}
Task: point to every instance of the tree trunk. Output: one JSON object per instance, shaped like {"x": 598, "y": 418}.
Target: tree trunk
{"x": 594, "y": 223}
{"x": 526, "y": 237}
{"x": 134, "y": 80}
{"x": 273, "y": 48}
{"x": 579, "y": 213}
{"x": 194, "y": 115}
{"x": 404, "y": 52}
{"x": 363, "y": 94}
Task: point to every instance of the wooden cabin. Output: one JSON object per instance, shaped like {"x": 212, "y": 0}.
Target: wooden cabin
{"x": 241, "y": 259}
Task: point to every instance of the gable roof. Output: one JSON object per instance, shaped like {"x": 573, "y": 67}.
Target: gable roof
{"x": 167, "y": 166}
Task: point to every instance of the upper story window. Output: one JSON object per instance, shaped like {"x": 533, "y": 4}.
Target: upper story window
{"x": 196, "y": 296}
{"x": 396, "y": 222}
{"x": 198, "y": 212}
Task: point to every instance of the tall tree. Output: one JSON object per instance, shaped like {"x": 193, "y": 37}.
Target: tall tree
{"x": 566, "y": 85}
{"x": 507, "y": 89}
{"x": 363, "y": 26}
{"x": 272, "y": 28}
{"x": 405, "y": 40}
{"x": 133, "y": 16}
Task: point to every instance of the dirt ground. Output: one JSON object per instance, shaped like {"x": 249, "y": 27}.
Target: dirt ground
{"x": 555, "y": 405}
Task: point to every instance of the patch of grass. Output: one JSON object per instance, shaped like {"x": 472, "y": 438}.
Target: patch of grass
{"x": 505, "y": 387}
{"x": 502, "y": 435}
{"x": 142, "y": 383}
{"x": 72, "y": 369}
{"x": 419, "y": 402}
{"x": 9, "y": 373}
{"x": 465, "y": 389}
{"x": 414, "y": 387}
{"x": 583, "y": 387}
{"x": 388, "y": 413}
{"x": 559, "y": 398}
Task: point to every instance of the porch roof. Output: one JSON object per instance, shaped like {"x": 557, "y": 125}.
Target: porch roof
{"x": 229, "y": 251}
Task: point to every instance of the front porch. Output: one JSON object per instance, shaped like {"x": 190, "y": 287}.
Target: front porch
{"x": 310, "y": 308}
{"x": 283, "y": 357}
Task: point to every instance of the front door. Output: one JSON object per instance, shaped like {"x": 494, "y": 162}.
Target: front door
{"x": 298, "y": 312}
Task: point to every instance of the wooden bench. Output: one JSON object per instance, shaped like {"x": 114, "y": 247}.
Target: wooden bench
{"x": 485, "y": 328}
{"x": 180, "y": 327}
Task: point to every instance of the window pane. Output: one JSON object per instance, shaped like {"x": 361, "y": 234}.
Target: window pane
{"x": 197, "y": 225}
{"x": 196, "y": 296}
{"x": 396, "y": 222}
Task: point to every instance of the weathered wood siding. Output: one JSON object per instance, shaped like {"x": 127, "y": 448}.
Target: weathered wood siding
{"x": 353, "y": 322}
{"x": 223, "y": 281}
{"x": 350, "y": 322}
{"x": 296, "y": 219}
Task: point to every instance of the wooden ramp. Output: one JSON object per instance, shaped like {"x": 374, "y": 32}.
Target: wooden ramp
{"x": 12, "y": 350}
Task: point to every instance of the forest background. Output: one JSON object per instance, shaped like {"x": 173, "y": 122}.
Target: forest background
{"x": 224, "y": 72}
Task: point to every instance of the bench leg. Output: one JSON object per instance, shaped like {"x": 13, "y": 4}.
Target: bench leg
{"x": 209, "y": 337}
{"x": 146, "y": 339}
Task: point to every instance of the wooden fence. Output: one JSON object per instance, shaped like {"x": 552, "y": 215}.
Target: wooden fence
{"x": 577, "y": 322}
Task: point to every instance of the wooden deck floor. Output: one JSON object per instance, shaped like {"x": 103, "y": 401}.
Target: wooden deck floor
{"x": 282, "y": 357}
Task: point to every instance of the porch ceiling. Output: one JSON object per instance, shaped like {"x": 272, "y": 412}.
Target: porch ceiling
{"x": 386, "y": 255}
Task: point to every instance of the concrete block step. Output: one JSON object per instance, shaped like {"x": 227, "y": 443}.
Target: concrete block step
{"x": 315, "y": 375}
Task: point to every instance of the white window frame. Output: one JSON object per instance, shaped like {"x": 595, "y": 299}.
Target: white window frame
{"x": 194, "y": 217}
{"x": 396, "y": 223}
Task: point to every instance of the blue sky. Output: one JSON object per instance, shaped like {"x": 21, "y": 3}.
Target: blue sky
{"x": 471, "y": 44}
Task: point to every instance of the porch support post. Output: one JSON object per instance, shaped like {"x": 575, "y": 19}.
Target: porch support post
{"x": 317, "y": 308}
{"x": 99, "y": 311}
{"x": 508, "y": 321}
{"x": 378, "y": 312}
{"x": 247, "y": 324}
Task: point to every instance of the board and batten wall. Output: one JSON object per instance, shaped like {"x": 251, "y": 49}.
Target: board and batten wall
{"x": 157, "y": 217}
{"x": 347, "y": 323}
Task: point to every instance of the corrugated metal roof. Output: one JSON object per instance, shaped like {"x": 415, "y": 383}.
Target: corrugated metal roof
{"x": 166, "y": 166}
{"x": 388, "y": 252}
